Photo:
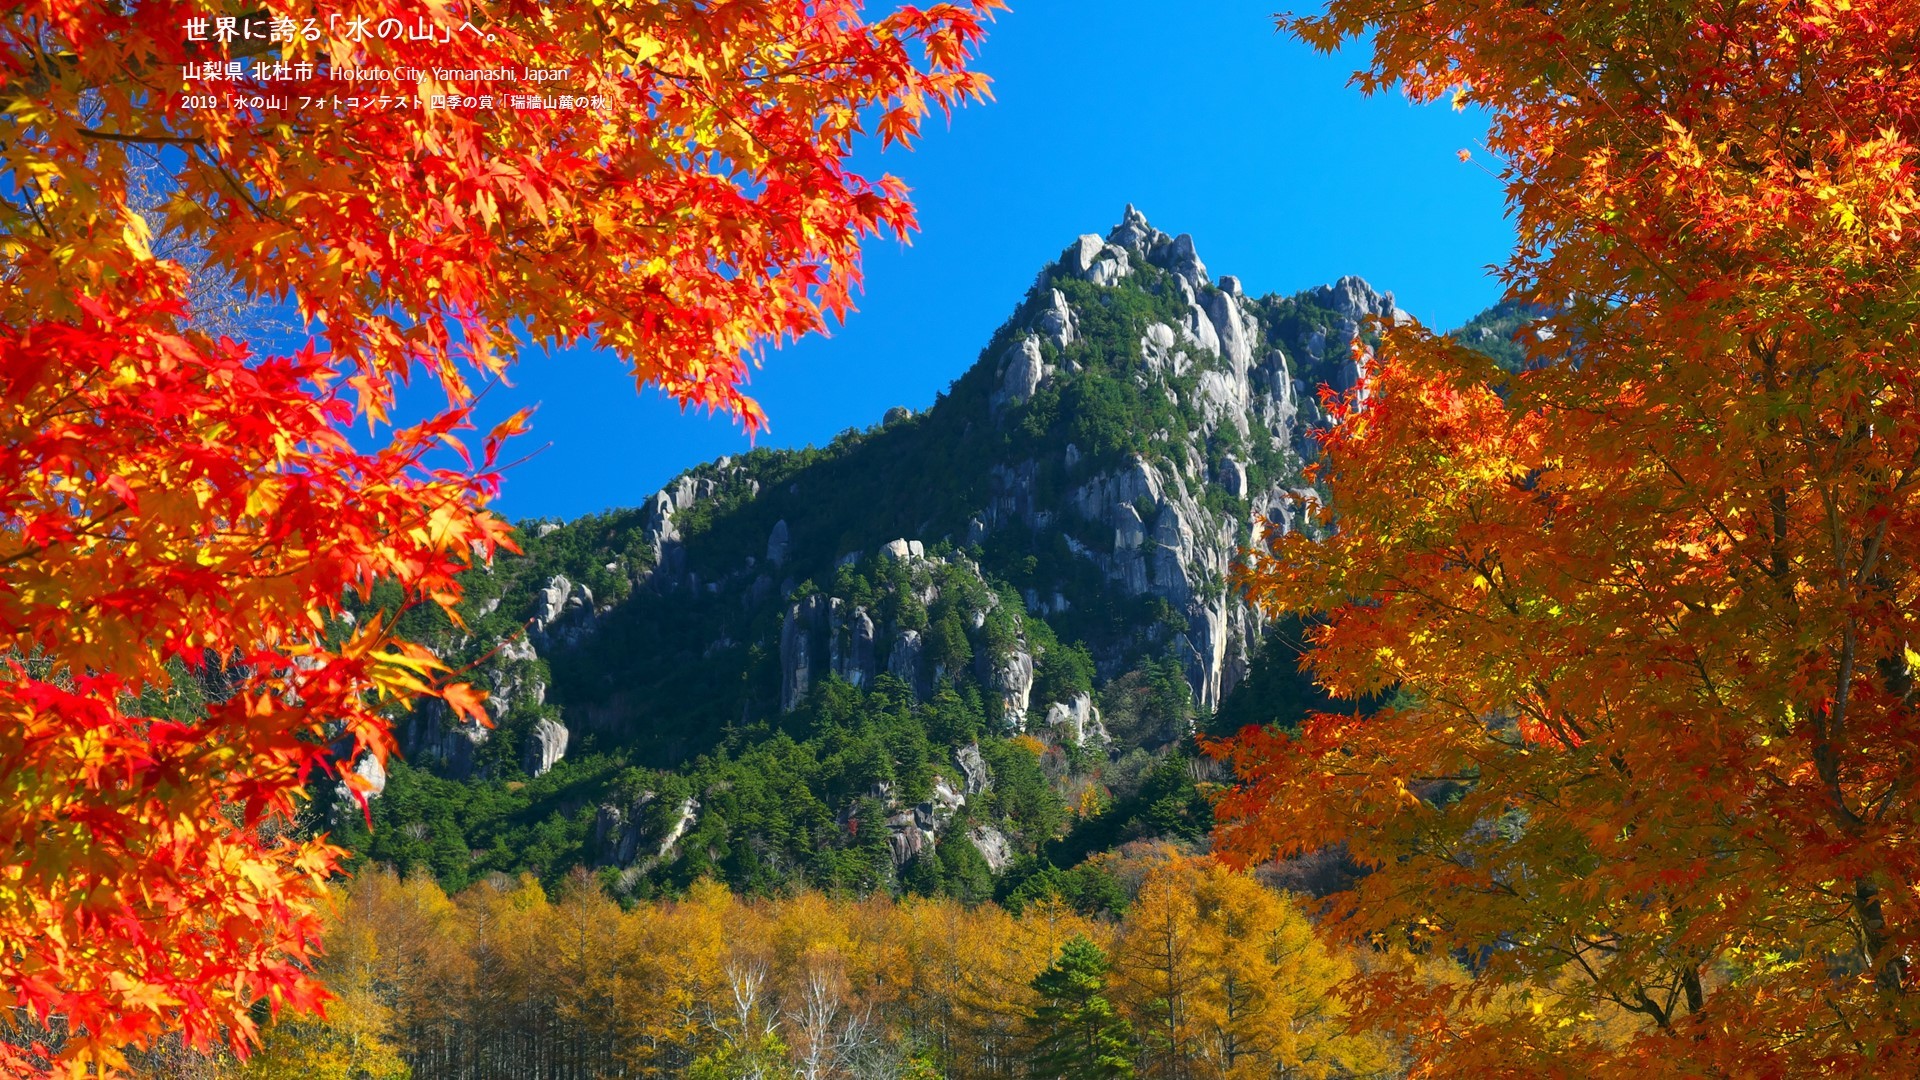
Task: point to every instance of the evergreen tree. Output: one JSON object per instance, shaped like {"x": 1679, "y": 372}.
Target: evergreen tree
{"x": 1078, "y": 1034}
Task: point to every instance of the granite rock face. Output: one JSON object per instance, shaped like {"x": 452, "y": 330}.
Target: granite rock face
{"x": 546, "y": 745}
{"x": 432, "y": 735}
{"x": 1077, "y": 721}
{"x": 1023, "y": 370}
{"x": 1095, "y": 260}
{"x": 1014, "y": 680}
{"x": 797, "y": 650}
{"x": 973, "y": 769}
{"x": 1168, "y": 539}
{"x": 1058, "y": 322}
{"x": 993, "y": 846}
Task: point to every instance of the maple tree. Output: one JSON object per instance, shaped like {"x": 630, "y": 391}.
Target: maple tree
{"x": 176, "y": 505}
{"x": 352, "y": 1042}
{"x": 1644, "y": 609}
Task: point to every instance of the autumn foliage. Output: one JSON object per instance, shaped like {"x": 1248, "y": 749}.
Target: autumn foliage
{"x": 508, "y": 979}
{"x": 1644, "y": 611}
{"x": 179, "y": 507}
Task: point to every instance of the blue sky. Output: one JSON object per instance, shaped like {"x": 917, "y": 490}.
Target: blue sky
{"x": 1199, "y": 113}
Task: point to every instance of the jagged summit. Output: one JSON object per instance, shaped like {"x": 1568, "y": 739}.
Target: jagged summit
{"x": 1136, "y": 237}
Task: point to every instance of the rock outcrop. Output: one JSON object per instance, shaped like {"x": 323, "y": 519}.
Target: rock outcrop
{"x": 1013, "y": 677}
{"x": 797, "y": 635}
{"x": 1167, "y": 539}
{"x": 546, "y": 745}
{"x": 778, "y": 542}
{"x": 563, "y": 611}
{"x": 973, "y": 769}
{"x": 622, "y": 835}
{"x": 1057, "y": 323}
{"x": 1077, "y": 721}
{"x": 916, "y": 829}
{"x": 1023, "y": 370}
{"x": 432, "y": 735}
{"x": 993, "y": 846}
{"x": 1098, "y": 261}
{"x": 369, "y": 769}
{"x": 821, "y": 635}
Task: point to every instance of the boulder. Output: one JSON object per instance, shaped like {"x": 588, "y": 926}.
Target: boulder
{"x": 1093, "y": 259}
{"x": 1083, "y": 253}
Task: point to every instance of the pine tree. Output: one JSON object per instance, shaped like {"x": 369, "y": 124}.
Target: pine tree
{"x": 1078, "y": 1034}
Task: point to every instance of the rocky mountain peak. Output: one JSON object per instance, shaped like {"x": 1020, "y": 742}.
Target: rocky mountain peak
{"x": 1353, "y": 298}
{"x": 1174, "y": 254}
{"x": 1018, "y": 563}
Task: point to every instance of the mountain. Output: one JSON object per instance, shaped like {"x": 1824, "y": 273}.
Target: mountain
{"x": 948, "y": 653}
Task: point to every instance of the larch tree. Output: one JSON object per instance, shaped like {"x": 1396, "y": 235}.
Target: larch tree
{"x": 354, "y": 1041}
{"x": 173, "y": 501}
{"x": 1158, "y": 961}
{"x": 1649, "y": 603}
{"x": 1224, "y": 979}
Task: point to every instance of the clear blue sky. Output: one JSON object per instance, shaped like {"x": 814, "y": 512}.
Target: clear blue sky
{"x": 1197, "y": 112}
